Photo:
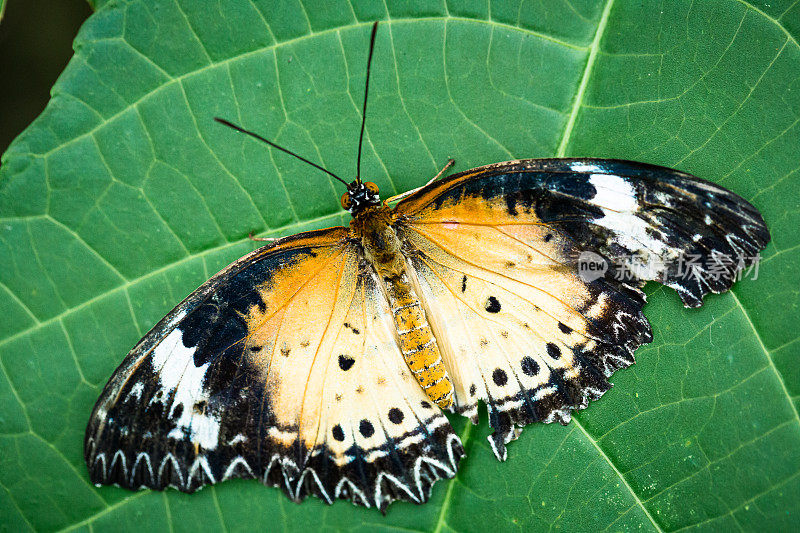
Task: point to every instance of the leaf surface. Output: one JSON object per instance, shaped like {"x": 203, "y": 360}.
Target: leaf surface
{"x": 124, "y": 196}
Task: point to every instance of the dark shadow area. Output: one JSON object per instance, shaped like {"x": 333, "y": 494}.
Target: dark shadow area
{"x": 35, "y": 45}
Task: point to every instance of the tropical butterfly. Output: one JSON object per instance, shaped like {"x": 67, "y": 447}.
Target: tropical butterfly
{"x": 322, "y": 363}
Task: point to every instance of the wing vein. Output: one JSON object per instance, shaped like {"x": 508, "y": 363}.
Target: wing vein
{"x": 321, "y": 341}
{"x": 495, "y": 284}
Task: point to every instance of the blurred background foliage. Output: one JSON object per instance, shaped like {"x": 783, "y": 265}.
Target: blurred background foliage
{"x": 35, "y": 44}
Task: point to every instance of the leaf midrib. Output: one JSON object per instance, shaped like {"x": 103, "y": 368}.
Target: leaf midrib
{"x": 767, "y": 354}
{"x": 587, "y": 72}
{"x": 565, "y": 139}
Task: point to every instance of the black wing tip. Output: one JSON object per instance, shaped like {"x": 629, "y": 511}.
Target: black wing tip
{"x": 693, "y": 218}
{"x": 732, "y": 247}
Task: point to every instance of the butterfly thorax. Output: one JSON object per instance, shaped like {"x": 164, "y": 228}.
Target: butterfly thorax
{"x": 382, "y": 249}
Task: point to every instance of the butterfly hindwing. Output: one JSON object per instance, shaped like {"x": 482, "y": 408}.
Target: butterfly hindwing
{"x": 376, "y": 428}
{"x": 519, "y": 330}
{"x": 283, "y": 368}
{"x": 494, "y": 253}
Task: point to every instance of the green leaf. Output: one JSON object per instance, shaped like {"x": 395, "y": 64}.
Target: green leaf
{"x": 97, "y": 4}
{"x": 124, "y": 195}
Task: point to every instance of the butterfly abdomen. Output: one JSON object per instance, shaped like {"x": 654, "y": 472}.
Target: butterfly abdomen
{"x": 417, "y": 342}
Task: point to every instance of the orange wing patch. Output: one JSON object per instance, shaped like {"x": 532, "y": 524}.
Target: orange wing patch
{"x": 292, "y": 341}
{"x": 286, "y": 368}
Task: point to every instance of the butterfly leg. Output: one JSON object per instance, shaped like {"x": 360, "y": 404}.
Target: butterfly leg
{"x": 261, "y": 239}
{"x": 398, "y": 197}
{"x": 450, "y": 163}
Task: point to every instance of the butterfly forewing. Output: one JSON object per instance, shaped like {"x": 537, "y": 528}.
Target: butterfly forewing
{"x": 178, "y": 405}
{"x": 653, "y": 217}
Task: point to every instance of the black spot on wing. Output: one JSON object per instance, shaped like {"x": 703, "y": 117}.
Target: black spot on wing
{"x": 529, "y": 366}
{"x": 366, "y": 428}
{"x": 553, "y": 351}
{"x": 396, "y": 415}
{"x": 352, "y": 328}
{"x": 499, "y": 377}
{"x": 346, "y": 362}
{"x": 492, "y": 305}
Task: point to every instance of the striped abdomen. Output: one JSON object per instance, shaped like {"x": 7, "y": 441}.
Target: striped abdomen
{"x": 417, "y": 343}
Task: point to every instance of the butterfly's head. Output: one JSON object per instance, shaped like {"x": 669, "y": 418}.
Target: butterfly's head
{"x": 360, "y": 195}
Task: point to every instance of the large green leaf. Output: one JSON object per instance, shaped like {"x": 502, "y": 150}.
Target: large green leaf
{"x": 124, "y": 196}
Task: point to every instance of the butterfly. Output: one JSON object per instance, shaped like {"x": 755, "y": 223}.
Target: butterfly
{"x": 323, "y": 363}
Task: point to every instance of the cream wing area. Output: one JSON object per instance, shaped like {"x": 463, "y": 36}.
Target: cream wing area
{"x": 518, "y": 329}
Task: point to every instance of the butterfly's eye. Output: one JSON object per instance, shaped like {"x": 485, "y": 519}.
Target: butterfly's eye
{"x": 346, "y": 202}
{"x": 371, "y": 187}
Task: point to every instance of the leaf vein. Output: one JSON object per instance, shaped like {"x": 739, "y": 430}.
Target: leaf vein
{"x": 587, "y": 72}
{"x": 616, "y": 470}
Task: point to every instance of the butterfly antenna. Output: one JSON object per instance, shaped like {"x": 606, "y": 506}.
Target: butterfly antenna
{"x": 364, "y": 110}
{"x": 281, "y": 148}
